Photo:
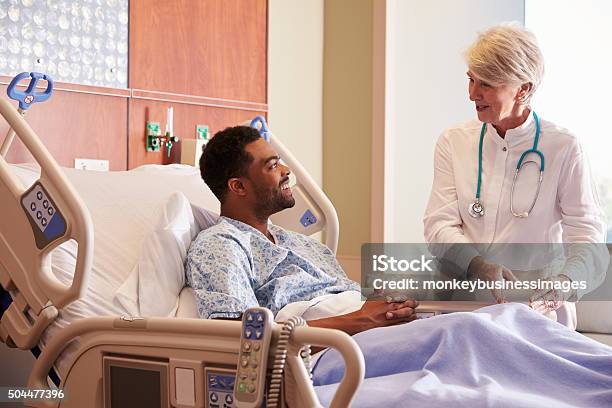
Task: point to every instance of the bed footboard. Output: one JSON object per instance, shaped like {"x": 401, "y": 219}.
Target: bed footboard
{"x": 186, "y": 361}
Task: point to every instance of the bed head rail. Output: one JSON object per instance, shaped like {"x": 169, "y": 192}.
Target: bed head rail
{"x": 33, "y": 222}
{"x": 313, "y": 211}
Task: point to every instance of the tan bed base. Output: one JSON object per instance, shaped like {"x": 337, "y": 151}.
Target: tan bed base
{"x": 184, "y": 351}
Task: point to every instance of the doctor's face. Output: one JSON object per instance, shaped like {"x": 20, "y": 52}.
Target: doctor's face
{"x": 268, "y": 179}
{"x": 493, "y": 103}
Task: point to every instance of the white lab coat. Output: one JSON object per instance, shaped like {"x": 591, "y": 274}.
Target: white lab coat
{"x": 567, "y": 209}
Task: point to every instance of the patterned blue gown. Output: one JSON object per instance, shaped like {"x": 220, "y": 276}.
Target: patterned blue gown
{"x": 232, "y": 266}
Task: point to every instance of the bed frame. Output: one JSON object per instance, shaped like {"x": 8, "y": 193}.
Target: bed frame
{"x": 172, "y": 347}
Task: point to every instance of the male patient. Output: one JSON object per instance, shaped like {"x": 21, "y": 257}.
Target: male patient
{"x": 246, "y": 261}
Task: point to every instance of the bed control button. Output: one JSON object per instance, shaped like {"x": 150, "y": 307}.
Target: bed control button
{"x": 46, "y": 221}
{"x": 254, "y": 375}
{"x": 229, "y": 399}
{"x": 213, "y": 397}
{"x": 244, "y": 362}
{"x": 256, "y": 347}
{"x": 254, "y": 364}
{"x": 251, "y": 388}
{"x": 247, "y": 346}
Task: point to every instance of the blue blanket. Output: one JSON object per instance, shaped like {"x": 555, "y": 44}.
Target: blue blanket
{"x": 499, "y": 356}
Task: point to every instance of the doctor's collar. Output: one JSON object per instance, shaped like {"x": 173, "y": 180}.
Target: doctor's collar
{"x": 515, "y": 135}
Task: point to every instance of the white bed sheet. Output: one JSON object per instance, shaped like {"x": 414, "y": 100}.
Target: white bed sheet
{"x": 120, "y": 227}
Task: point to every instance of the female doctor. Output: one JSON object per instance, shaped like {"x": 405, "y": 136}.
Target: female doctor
{"x": 472, "y": 199}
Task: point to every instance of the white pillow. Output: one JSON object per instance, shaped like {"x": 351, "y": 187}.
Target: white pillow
{"x": 203, "y": 217}
{"x": 154, "y": 285}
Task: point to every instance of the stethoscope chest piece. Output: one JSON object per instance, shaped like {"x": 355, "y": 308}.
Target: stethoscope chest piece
{"x": 476, "y": 209}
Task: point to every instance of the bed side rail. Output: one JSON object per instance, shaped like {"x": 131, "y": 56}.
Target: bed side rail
{"x": 188, "y": 334}
{"x": 313, "y": 211}
{"x": 33, "y": 222}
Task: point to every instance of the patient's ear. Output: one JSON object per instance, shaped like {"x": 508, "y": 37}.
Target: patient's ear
{"x": 236, "y": 186}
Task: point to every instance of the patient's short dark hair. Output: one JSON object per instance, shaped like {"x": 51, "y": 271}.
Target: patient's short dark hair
{"x": 224, "y": 157}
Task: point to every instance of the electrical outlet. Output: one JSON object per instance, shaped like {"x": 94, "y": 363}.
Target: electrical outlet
{"x": 91, "y": 164}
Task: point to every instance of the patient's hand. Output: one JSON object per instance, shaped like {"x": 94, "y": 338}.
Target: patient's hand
{"x": 374, "y": 313}
{"x": 489, "y": 271}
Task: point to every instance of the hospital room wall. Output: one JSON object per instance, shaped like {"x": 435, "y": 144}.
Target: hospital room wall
{"x": 207, "y": 59}
{"x": 394, "y": 78}
{"x": 429, "y": 88}
{"x": 295, "y": 78}
{"x": 347, "y": 122}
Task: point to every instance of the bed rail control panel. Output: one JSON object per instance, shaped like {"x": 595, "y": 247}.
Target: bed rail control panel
{"x": 47, "y": 222}
{"x": 220, "y": 388}
{"x": 252, "y": 360}
{"x": 308, "y": 219}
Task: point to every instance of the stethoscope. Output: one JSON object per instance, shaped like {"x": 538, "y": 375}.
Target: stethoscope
{"x": 476, "y": 209}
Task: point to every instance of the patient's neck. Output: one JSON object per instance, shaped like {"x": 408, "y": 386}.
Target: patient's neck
{"x": 257, "y": 222}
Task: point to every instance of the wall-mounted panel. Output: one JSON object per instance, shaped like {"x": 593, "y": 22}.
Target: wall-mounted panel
{"x": 186, "y": 117}
{"x": 77, "y": 41}
{"x": 213, "y": 48}
{"x": 76, "y": 123}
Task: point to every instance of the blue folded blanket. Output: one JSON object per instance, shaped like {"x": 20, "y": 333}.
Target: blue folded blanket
{"x": 499, "y": 356}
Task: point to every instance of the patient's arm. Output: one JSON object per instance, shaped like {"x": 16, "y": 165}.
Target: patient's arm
{"x": 374, "y": 313}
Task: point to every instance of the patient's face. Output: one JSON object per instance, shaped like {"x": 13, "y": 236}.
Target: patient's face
{"x": 268, "y": 180}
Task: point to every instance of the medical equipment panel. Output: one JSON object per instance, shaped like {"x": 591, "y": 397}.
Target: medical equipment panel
{"x": 219, "y": 387}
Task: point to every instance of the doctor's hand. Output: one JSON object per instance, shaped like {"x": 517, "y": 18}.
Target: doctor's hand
{"x": 373, "y": 313}
{"x": 546, "y": 300}
{"x": 488, "y": 271}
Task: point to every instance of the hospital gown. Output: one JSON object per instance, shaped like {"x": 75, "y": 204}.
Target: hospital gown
{"x": 232, "y": 266}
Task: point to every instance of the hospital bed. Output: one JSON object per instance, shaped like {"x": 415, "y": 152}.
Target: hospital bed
{"x": 77, "y": 295}
{"x": 69, "y": 289}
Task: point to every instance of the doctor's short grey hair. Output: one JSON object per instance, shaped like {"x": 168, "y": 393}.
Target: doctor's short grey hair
{"x": 507, "y": 54}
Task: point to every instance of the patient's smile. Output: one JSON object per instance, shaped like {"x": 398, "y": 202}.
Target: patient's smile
{"x": 285, "y": 188}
